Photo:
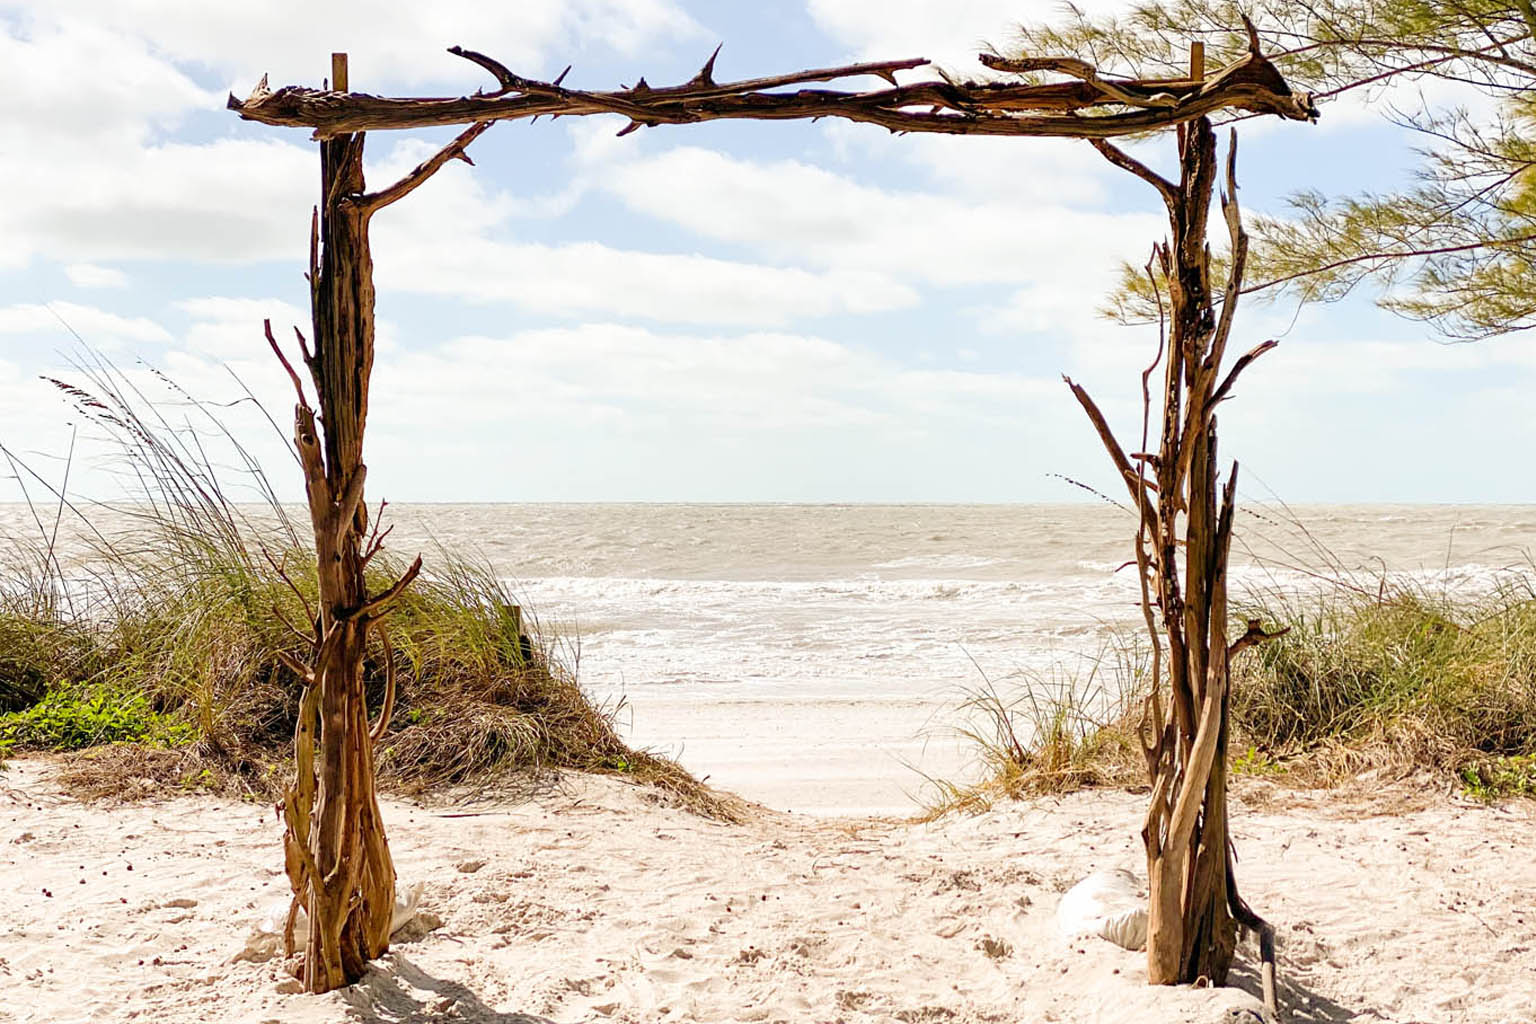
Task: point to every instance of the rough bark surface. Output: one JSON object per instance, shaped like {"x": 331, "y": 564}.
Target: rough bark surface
{"x": 1088, "y": 105}
{"x": 1185, "y": 514}
{"x": 336, "y": 850}
{"x": 338, "y": 860}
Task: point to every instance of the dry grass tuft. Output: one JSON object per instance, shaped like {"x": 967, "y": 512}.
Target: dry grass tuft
{"x": 1387, "y": 681}
{"x": 1057, "y": 734}
{"x": 165, "y": 658}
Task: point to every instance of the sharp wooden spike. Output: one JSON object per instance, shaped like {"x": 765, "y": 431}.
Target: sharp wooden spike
{"x": 706, "y": 75}
{"x": 642, "y": 85}
{"x": 561, "y": 77}
{"x": 632, "y": 126}
{"x": 1253, "y": 36}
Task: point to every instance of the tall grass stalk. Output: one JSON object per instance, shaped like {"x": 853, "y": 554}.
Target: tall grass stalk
{"x": 1056, "y": 730}
{"x": 1377, "y": 674}
{"x": 183, "y": 613}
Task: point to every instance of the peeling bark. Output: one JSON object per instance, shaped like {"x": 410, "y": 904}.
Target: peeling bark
{"x": 335, "y": 848}
{"x": 1183, "y": 537}
{"x": 1091, "y": 105}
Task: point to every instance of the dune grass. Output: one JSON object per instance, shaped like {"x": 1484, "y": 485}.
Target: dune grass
{"x": 1051, "y": 731}
{"x": 1402, "y": 680}
{"x": 157, "y": 656}
{"x": 1391, "y": 679}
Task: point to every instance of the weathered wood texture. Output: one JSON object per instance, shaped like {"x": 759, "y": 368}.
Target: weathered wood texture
{"x": 1185, "y": 514}
{"x": 338, "y": 860}
{"x": 1090, "y": 105}
{"x": 336, "y": 850}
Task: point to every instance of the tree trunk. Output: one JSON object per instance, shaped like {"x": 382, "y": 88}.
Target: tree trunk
{"x": 1196, "y": 936}
{"x": 335, "y": 848}
{"x": 1183, "y": 506}
{"x": 337, "y": 853}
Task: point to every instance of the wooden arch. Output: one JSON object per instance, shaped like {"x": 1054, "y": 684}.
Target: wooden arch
{"x": 337, "y": 855}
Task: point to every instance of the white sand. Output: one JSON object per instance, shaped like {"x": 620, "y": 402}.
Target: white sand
{"x": 824, "y": 756}
{"x": 593, "y": 902}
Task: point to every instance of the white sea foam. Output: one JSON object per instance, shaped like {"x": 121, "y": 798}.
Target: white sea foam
{"x": 748, "y": 636}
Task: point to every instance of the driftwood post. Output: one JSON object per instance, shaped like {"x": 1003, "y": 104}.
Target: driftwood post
{"x": 343, "y": 870}
{"x": 335, "y": 848}
{"x": 1185, "y": 515}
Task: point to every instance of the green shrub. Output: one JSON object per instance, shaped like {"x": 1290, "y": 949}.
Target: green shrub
{"x": 1399, "y": 679}
{"x": 1377, "y": 677}
{"x": 1498, "y": 777}
{"x": 66, "y": 719}
{"x": 178, "y": 640}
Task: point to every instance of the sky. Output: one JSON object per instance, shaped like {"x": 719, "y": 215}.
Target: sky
{"x": 721, "y": 312}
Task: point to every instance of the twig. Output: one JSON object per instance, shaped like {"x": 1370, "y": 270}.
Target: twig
{"x": 375, "y": 606}
{"x": 389, "y": 688}
{"x": 374, "y": 201}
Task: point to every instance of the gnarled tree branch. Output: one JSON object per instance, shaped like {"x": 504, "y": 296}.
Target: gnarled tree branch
{"x": 1091, "y": 106}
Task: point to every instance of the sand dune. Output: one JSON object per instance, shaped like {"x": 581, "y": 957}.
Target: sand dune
{"x": 593, "y": 902}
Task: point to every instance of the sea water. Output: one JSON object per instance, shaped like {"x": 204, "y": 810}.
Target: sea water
{"x": 815, "y": 657}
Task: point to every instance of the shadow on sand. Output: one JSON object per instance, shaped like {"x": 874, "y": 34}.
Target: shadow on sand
{"x": 1298, "y": 1004}
{"x": 396, "y": 991}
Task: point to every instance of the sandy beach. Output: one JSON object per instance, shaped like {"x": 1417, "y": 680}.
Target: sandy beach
{"x": 591, "y": 900}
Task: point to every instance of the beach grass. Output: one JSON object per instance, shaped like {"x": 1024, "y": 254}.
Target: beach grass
{"x": 1393, "y": 679}
{"x": 157, "y": 658}
{"x": 1403, "y": 679}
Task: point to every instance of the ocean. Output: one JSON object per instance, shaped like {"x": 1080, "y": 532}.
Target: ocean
{"x": 814, "y": 657}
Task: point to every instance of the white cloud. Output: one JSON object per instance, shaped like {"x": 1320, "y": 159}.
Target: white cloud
{"x": 750, "y": 383}
{"x": 59, "y": 320}
{"x": 89, "y": 275}
{"x": 794, "y": 210}
{"x": 1046, "y": 171}
{"x": 388, "y": 40}
{"x": 230, "y": 328}
{"x": 87, "y": 102}
{"x": 444, "y": 242}
{"x": 93, "y": 82}
{"x": 229, "y": 200}
{"x": 586, "y": 278}
{"x": 74, "y": 86}
{"x": 950, "y": 33}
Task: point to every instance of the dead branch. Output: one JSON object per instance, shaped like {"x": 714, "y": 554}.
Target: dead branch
{"x": 376, "y": 606}
{"x": 1091, "y": 105}
{"x": 421, "y": 172}
{"x": 1255, "y": 635}
{"x": 277, "y": 350}
{"x": 1126, "y": 162}
{"x": 297, "y": 667}
{"x": 388, "y": 709}
{"x": 351, "y": 498}
{"x": 1133, "y": 480}
{"x": 1244, "y": 361}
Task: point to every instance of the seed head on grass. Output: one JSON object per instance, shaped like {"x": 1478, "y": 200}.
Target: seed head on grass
{"x": 183, "y": 618}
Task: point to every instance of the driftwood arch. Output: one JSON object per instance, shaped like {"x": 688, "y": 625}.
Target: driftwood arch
{"x": 336, "y": 851}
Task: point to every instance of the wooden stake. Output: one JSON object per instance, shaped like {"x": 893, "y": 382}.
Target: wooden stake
{"x": 1196, "y": 61}
{"x": 339, "y": 72}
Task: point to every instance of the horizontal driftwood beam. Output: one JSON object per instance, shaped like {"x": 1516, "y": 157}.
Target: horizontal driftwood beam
{"x": 1089, "y": 106}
